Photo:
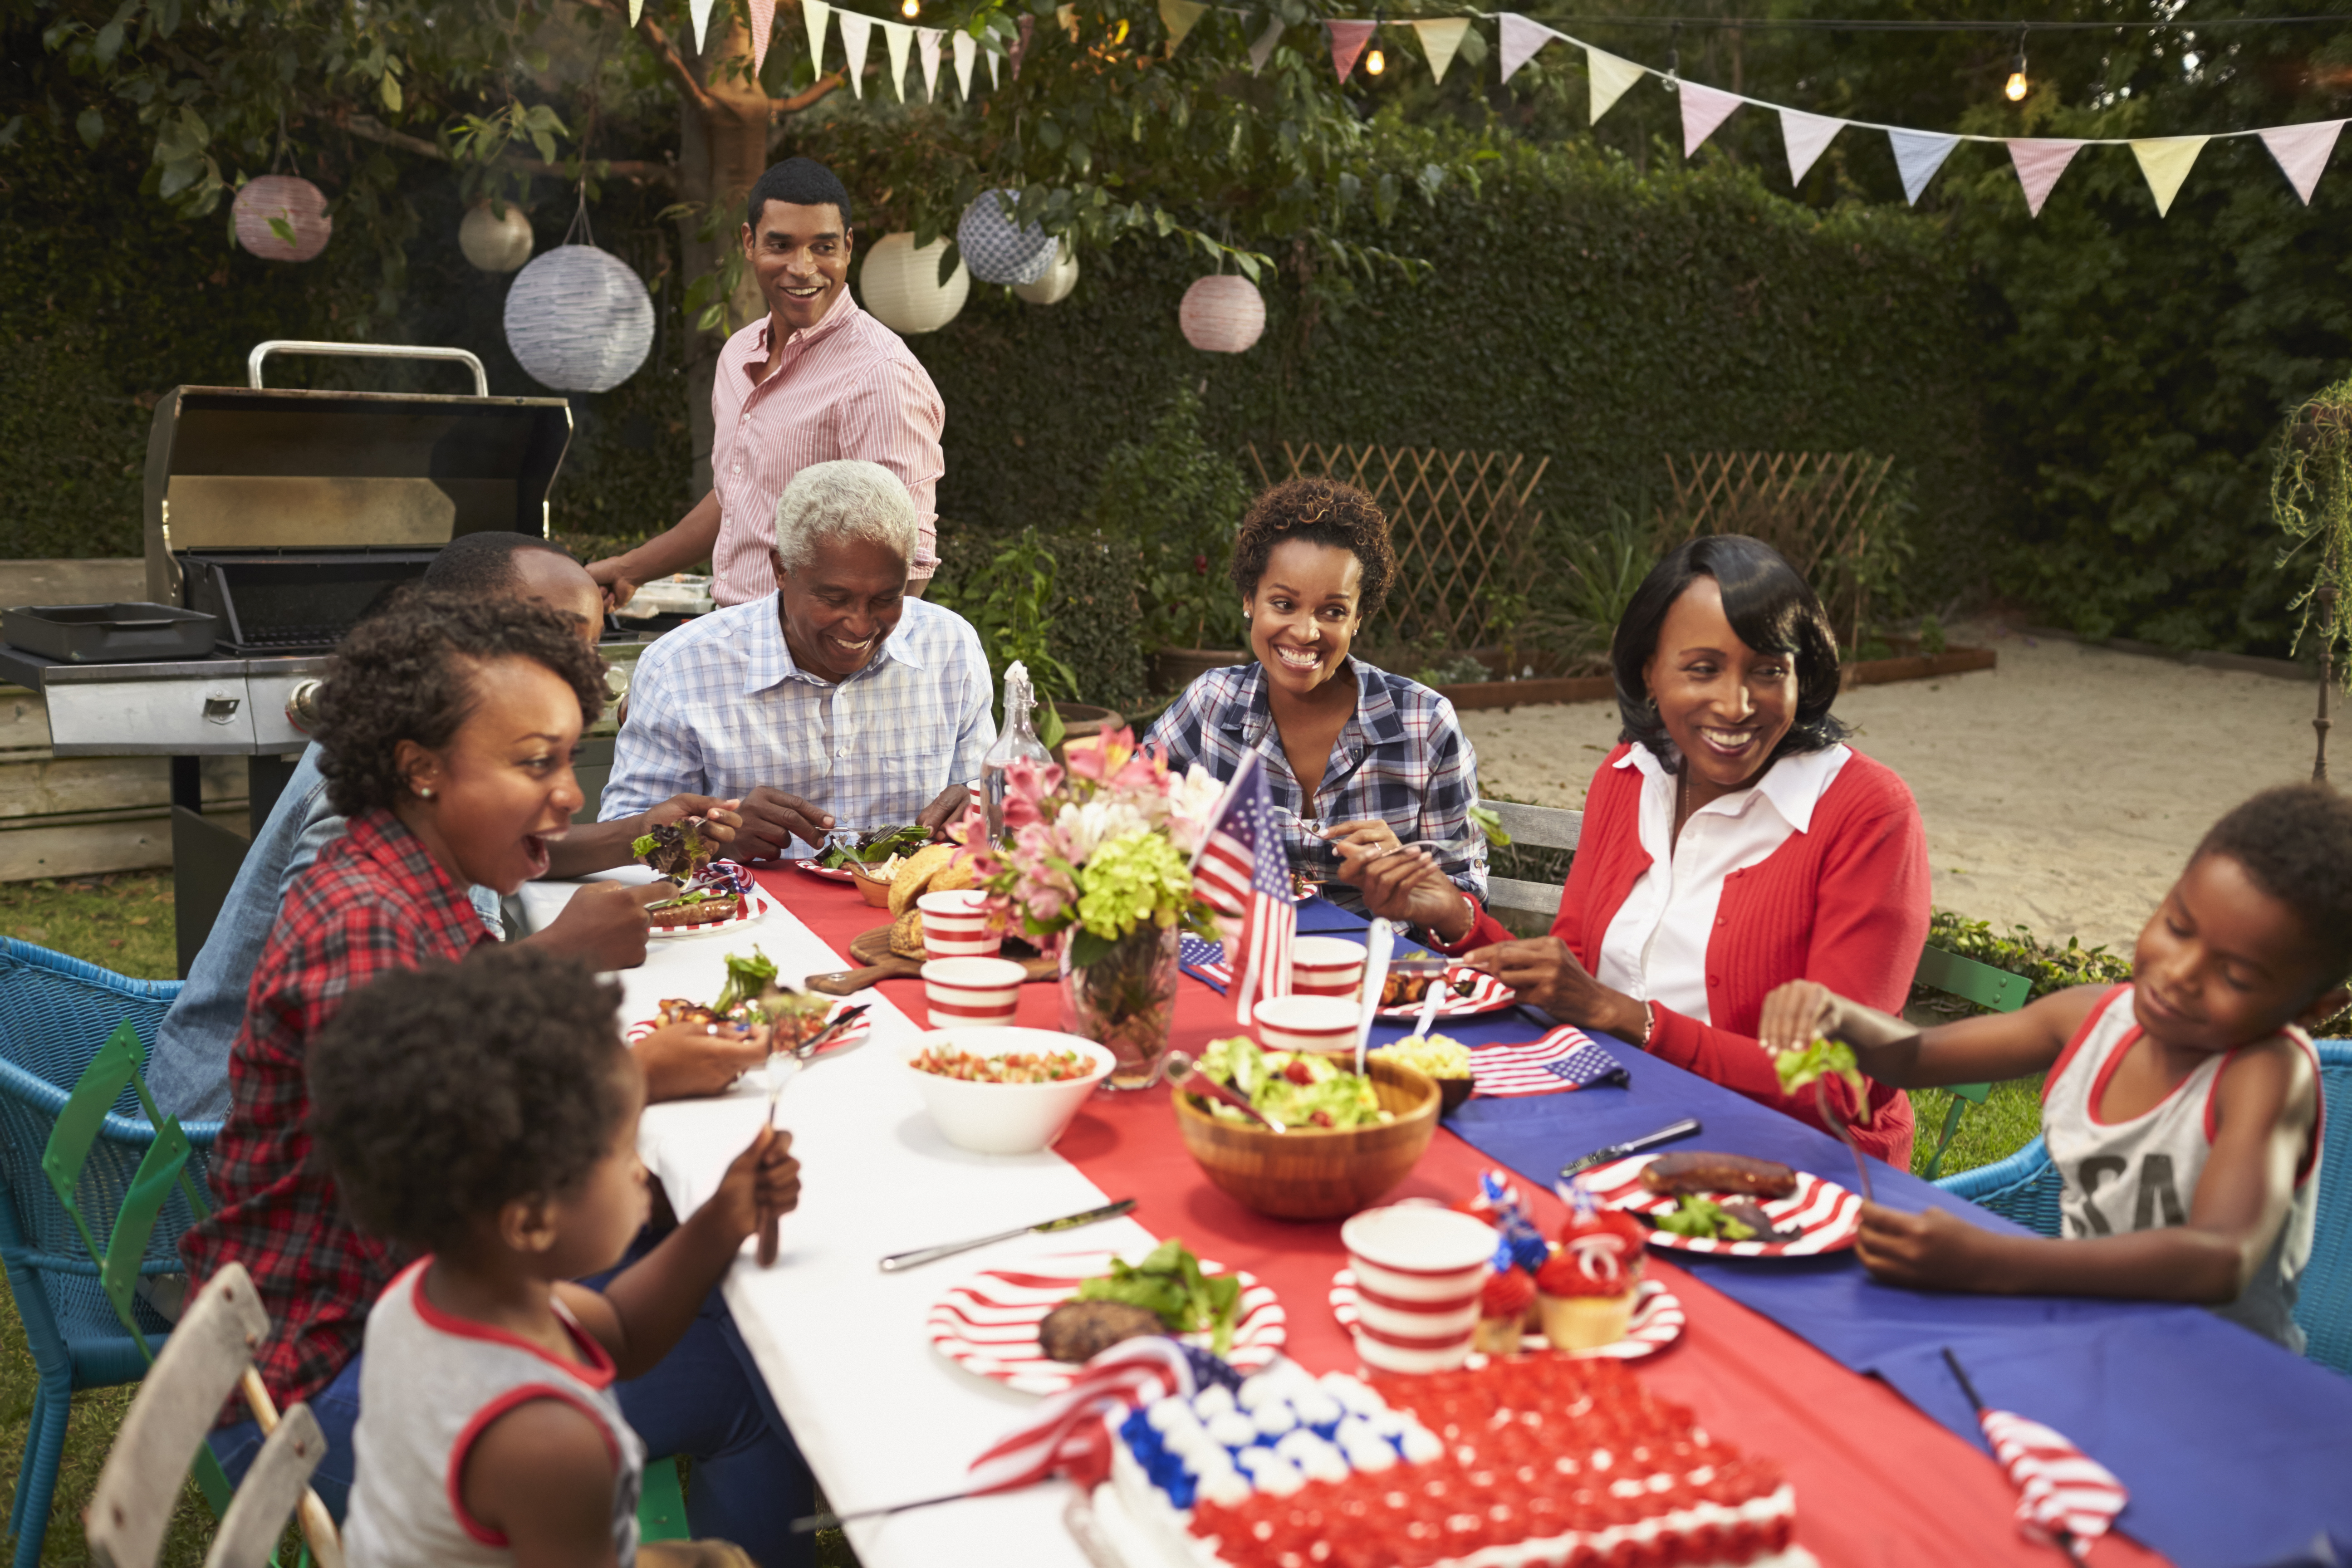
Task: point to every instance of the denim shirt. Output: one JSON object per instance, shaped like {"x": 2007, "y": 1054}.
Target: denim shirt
{"x": 188, "y": 1069}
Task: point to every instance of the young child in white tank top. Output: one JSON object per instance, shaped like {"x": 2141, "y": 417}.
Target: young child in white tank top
{"x": 485, "y": 1114}
{"x": 2183, "y": 1110}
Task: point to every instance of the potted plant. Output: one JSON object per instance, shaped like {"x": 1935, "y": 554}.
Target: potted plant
{"x": 1181, "y": 502}
{"x": 2311, "y": 497}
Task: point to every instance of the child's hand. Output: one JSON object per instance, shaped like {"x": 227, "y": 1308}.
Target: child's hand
{"x": 685, "y": 1060}
{"x": 1931, "y": 1250}
{"x": 1795, "y": 1014}
{"x": 763, "y": 1184}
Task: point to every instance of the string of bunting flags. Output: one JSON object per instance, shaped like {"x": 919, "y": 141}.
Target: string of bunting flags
{"x": 2301, "y": 151}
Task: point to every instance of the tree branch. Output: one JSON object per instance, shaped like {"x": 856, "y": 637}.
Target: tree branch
{"x": 368, "y": 129}
{"x": 807, "y": 95}
{"x": 660, "y": 44}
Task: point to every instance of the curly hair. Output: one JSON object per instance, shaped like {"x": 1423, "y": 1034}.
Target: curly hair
{"x": 1321, "y": 511}
{"x": 2295, "y": 843}
{"x": 1771, "y": 608}
{"x": 406, "y": 673}
{"x": 438, "y": 1094}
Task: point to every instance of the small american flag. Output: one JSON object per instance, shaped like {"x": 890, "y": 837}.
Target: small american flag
{"x": 2064, "y": 1497}
{"x": 1564, "y": 1059}
{"x": 1066, "y": 1435}
{"x": 1205, "y": 960}
{"x": 1242, "y": 871}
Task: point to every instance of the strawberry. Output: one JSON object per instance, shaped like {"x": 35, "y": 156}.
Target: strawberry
{"x": 1299, "y": 1073}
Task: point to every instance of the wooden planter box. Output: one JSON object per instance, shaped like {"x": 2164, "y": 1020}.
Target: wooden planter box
{"x": 1480, "y": 694}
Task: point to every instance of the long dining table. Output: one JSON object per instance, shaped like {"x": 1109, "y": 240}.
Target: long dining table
{"x": 884, "y": 1419}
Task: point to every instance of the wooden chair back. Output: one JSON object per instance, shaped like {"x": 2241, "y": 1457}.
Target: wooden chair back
{"x": 1537, "y": 827}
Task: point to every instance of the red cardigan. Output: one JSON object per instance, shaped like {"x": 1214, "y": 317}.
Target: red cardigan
{"x": 1844, "y": 903}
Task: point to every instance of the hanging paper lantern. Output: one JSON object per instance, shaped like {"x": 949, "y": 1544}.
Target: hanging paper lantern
{"x": 1059, "y": 279}
{"x": 293, "y": 201}
{"x": 1222, "y": 315}
{"x": 492, "y": 243}
{"x": 579, "y": 320}
{"x": 999, "y": 252}
{"x": 900, "y": 288}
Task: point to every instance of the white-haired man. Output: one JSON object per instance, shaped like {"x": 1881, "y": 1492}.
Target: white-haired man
{"x": 838, "y": 701}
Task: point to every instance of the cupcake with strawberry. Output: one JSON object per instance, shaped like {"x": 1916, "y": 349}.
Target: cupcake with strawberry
{"x": 1585, "y": 1294}
{"x": 1507, "y": 1306}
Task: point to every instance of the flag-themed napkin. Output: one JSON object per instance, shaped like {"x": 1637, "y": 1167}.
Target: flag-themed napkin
{"x": 2063, "y": 1495}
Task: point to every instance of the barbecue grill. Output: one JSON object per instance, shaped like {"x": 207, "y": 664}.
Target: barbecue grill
{"x": 285, "y": 515}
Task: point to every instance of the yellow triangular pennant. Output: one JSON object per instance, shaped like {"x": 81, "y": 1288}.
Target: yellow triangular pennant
{"x": 1177, "y": 16}
{"x": 1439, "y": 40}
{"x": 2165, "y": 160}
{"x": 1609, "y": 77}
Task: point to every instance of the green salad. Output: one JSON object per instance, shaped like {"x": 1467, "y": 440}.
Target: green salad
{"x": 1823, "y": 1058}
{"x": 874, "y": 846}
{"x": 1700, "y": 1218}
{"x": 1169, "y": 1282}
{"x": 1297, "y": 1091}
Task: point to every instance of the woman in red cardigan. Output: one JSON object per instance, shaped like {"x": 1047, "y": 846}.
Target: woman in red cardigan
{"x": 1732, "y": 843}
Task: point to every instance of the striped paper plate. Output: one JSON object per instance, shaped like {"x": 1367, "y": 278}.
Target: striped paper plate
{"x": 755, "y": 904}
{"x": 1657, "y": 1320}
{"x": 1827, "y": 1216}
{"x": 988, "y": 1324}
{"x": 849, "y": 1038}
{"x": 830, "y": 873}
{"x": 1488, "y": 994}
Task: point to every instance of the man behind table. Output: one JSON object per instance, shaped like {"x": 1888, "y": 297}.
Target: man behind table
{"x": 813, "y": 380}
{"x": 836, "y": 701}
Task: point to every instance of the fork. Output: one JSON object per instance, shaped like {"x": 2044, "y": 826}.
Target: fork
{"x": 796, "y": 1059}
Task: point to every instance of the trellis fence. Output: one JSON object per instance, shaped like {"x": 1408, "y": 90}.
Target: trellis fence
{"x": 1830, "y": 513}
{"x": 1463, "y": 525}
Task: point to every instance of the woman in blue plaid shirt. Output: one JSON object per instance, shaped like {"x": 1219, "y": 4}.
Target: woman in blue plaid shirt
{"x": 1364, "y": 762}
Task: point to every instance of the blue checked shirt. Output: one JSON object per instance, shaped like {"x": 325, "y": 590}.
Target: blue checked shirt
{"x": 718, "y": 708}
{"x": 1401, "y": 757}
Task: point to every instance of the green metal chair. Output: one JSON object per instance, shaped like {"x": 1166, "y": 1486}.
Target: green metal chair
{"x": 1995, "y": 990}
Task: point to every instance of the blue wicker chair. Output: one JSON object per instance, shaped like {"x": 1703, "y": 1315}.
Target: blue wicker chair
{"x": 54, "y": 1014}
{"x": 2025, "y": 1188}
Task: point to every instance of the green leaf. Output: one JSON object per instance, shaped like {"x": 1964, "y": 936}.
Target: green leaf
{"x": 1051, "y": 731}
{"x": 107, "y": 44}
{"x": 282, "y": 229}
{"x": 388, "y": 88}
{"x": 91, "y": 126}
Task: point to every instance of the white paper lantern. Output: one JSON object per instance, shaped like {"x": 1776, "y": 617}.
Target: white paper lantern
{"x": 292, "y": 201}
{"x": 999, "y": 252}
{"x": 1059, "y": 279}
{"x": 492, "y": 243}
{"x": 578, "y": 320}
{"x": 1222, "y": 315}
{"x": 900, "y": 288}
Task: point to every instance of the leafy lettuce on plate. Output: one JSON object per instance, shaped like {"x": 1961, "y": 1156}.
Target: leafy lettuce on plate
{"x": 1169, "y": 1282}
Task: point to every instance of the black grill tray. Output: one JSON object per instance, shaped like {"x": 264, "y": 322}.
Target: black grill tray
{"x": 109, "y": 634}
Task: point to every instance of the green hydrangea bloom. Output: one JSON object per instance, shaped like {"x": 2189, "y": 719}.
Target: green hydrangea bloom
{"x": 1132, "y": 879}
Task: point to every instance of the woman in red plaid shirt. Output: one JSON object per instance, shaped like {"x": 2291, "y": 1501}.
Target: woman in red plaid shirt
{"x": 449, "y": 726}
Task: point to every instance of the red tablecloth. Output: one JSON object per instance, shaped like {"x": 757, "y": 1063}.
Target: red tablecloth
{"x": 1877, "y": 1483}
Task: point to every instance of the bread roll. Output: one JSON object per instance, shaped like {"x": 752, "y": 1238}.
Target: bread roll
{"x": 907, "y": 935}
{"x": 916, "y": 874}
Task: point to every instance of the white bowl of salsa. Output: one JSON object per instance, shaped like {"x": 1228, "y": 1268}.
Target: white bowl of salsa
{"x": 1004, "y": 1090}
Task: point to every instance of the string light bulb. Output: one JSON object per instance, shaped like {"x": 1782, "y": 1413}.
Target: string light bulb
{"x": 1375, "y": 62}
{"x": 2018, "y": 86}
{"x": 911, "y": 9}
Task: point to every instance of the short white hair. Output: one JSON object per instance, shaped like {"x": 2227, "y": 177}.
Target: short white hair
{"x": 847, "y": 498}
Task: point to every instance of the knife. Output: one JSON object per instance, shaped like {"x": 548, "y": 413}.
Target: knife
{"x": 1686, "y": 1128}
{"x": 899, "y": 1261}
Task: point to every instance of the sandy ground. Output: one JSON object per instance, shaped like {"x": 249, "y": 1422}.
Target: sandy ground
{"x": 2061, "y": 791}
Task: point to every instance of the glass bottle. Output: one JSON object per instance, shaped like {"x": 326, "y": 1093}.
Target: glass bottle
{"x": 1017, "y": 738}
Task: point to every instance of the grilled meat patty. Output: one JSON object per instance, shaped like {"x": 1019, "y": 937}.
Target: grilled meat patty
{"x": 1081, "y": 1331}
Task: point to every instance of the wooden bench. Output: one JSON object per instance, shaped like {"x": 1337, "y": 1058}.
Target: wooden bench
{"x": 1537, "y": 827}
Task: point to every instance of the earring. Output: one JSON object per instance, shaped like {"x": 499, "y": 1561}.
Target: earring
{"x": 424, "y": 791}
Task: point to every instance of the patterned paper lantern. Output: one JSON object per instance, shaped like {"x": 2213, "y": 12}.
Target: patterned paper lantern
{"x": 292, "y": 201}
{"x": 1059, "y": 279}
{"x": 997, "y": 251}
{"x": 900, "y": 288}
{"x": 579, "y": 320}
{"x": 492, "y": 243}
{"x": 1222, "y": 315}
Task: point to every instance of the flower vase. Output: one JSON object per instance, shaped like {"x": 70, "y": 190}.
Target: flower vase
{"x": 1125, "y": 1001}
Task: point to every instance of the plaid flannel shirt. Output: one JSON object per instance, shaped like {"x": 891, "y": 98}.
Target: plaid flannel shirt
{"x": 1401, "y": 757}
{"x": 373, "y": 902}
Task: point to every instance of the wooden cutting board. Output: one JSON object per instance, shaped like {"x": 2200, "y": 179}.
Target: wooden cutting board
{"x": 872, "y": 949}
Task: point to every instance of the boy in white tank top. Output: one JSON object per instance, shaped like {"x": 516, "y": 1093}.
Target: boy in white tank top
{"x": 485, "y": 1114}
{"x": 2182, "y": 1110}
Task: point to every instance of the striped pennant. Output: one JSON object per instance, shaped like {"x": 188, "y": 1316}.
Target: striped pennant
{"x": 1564, "y": 1059}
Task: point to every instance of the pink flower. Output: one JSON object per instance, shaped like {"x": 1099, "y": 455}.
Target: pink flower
{"x": 1104, "y": 758}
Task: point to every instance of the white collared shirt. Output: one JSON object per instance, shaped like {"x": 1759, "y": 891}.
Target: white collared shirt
{"x": 1655, "y": 947}
{"x": 719, "y": 707}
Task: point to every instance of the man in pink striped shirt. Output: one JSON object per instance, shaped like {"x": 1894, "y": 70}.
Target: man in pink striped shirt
{"x": 815, "y": 380}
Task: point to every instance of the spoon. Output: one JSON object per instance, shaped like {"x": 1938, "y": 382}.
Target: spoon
{"x": 1379, "y": 945}
{"x": 1186, "y": 1076}
{"x": 1440, "y": 987}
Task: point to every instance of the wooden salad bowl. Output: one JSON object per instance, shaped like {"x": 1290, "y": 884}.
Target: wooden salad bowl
{"x": 1309, "y": 1173}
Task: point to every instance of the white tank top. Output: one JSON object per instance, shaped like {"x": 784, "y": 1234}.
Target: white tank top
{"x": 2142, "y": 1174}
{"x": 430, "y": 1384}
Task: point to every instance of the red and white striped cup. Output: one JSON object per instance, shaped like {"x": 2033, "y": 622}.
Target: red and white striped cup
{"x": 973, "y": 992}
{"x": 1420, "y": 1269}
{"x": 1325, "y": 966}
{"x": 955, "y": 925}
{"x": 1305, "y": 1024}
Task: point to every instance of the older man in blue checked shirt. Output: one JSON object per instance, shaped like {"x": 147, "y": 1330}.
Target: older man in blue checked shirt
{"x": 838, "y": 701}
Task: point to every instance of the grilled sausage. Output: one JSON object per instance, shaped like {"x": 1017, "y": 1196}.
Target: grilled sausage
{"x": 1695, "y": 1171}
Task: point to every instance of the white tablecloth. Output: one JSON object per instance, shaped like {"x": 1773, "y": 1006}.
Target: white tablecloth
{"x": 882, "y": 1417}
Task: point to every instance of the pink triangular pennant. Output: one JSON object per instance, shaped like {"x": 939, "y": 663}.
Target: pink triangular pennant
{"x": 1703, "y": 108}
{"x": 1347, "y": 42}
{"x": 763, "y": 22}
{"x": 1806, "y": 136}
{"x": 2039, "y": 160}
{"x": 2302, "y": 152}
{"x": 1520, "y": 39}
